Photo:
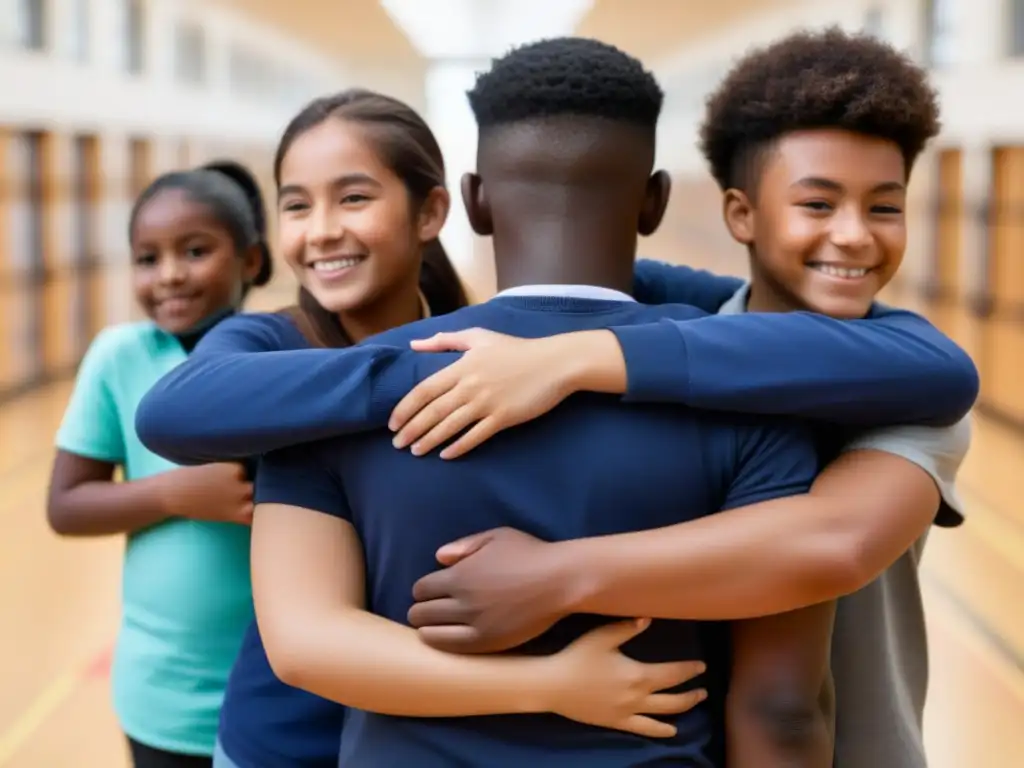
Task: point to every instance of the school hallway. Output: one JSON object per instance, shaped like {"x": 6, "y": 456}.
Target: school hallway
{"x": 111, "y": 93}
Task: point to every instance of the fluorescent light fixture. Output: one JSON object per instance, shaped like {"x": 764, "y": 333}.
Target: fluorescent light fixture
{"x": 482, "y": 29}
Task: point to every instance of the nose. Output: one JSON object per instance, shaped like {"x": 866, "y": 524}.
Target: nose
{"x": 325, "y": 226}
{"x": 850, "y": 230}
{"x": 172, "y": 271}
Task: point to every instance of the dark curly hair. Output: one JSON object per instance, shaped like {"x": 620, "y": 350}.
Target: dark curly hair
{"x": 808, "y": 80}
{"x": 566, "y": 76}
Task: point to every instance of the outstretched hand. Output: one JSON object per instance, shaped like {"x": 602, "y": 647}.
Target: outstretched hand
{"x": 501, "y": 588}
{"x": 499, "y": 382}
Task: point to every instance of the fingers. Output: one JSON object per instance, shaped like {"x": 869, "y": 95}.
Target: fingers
{"x": 453, "y": 639}
{"x": 648, "y": 726}
{"x": 244, "y": 515}
{"x": 616, "y": 634}
{"x": 448, "y": 428}
{"x": 459, "y": 341}
{"x": 673, "y": 703}
{"x": 673, "y": 673}
{"x": 424, "y": 393}
{"x": 433, "y": 586}
{"x": 444, "y": 611}
{"x": 429, "y": 416}
{"x": 460, "y": 549}
{"x": 481, "y": 432}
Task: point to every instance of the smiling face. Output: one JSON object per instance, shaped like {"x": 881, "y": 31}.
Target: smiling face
{"x": 826, "y": 227}
{"x": 185, "y": 266}
{"x": 348, "y": 228}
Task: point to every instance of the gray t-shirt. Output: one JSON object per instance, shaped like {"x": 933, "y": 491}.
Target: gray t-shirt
{"x": 880, "y": 643}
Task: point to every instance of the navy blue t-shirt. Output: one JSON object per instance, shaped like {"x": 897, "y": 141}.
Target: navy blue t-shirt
{"x": 591, "y": 467}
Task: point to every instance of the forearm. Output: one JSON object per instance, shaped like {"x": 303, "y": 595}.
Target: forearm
{"x": 766, "y": 735}
{"x": 364, "y": 661}
{"x": 228, "y": 407}
{"x": 780, "y": 707}
{"x": 103, "y": 508}
{"x": 862, "y": 373}
{"x": 753, "y": 561}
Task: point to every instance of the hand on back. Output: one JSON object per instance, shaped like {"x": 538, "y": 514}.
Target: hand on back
{"x": 592, "y": 681}
{"x": 500, "y": 589}
{"x": 212, "y": 492}
{"x": 499, "y": 382}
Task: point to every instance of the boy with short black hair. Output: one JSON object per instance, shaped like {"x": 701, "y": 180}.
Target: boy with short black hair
{"x": 812, "y": 140}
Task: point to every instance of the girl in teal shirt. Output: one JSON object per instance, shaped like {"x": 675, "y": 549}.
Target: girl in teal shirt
{"x": 198, "y": 241}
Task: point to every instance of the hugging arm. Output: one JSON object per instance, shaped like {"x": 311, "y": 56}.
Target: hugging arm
{"x": 309, "y": 593}
{"x": 864, "y": 373}
{"x": 239, "y": 394}
{"x": 863, "y": 511}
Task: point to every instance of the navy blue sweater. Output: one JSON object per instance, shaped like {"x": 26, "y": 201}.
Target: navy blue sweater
{"x": 859, "y": 373}
{"x": 591, "y": 467}
{"x": 252, "y": 386}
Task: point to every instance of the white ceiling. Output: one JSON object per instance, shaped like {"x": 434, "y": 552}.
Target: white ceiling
{"x": 363, "y": 31}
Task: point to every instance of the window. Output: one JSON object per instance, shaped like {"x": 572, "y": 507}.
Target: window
{"x": 940, "y": 38}
{"x": 79, "y": 29}
{"x": 28, "y": 263}
{"x": 252, "y": 76}
{"x": 87, "y": 304}
{"x": 189, "y": 54}
{"x": 1017, "y": 27}
{"x": 134, "y": 36}
{"x": 31, "y": 23}
{"x": 139, "y": 162}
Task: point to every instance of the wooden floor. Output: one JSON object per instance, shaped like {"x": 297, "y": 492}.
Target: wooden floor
{"x": 59, "y": 602}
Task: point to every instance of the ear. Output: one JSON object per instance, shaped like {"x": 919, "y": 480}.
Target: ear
{"x": 478, "y": 210}
{"x": 433, "y": 214}
{"x": 659, "y": 187}
{"x": 252, "y": 260}
{"x": 738, "y": 213}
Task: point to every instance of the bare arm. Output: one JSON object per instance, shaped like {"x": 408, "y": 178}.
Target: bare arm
{"x": 308, "y": 586}
{"x": 84, "y": 500}
{"x": 504, "y": 587}
{"x": 779, "y": 710}
{"x": 804, "y": 549}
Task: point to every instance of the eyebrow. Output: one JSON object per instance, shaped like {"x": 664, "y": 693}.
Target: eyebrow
{"x": 816, "y": 182}
{"x": 341, "y": 181}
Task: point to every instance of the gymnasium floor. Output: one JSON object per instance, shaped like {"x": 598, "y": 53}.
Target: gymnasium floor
{"x": 58, "y": 600}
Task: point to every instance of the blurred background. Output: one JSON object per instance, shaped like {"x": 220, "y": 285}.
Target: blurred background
{"x": 99, "y": 96}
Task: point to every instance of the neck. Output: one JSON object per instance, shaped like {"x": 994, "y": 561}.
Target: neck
{"x": 557, "y": 253}
{"x": 765, "y": 296}
{"x": 398, "y": 307}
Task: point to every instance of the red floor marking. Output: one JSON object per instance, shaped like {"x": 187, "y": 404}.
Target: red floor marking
{"x": 99, "y": 668}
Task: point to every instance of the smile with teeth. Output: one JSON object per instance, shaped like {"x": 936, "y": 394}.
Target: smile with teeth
{"x": 843, "y": 272}
{"x": 333, "y": 265}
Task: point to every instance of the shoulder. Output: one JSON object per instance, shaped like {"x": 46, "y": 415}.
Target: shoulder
{"x": 118, "y": 344}
{"x": 458, "y": 320}
{"x": 254, "y": 331}
{"x": 953, "y": 440}
{"x": 939, "y": 451}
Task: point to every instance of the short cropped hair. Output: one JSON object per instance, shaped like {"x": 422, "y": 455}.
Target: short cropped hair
{"x": 566, "y": 76}
{"x": 810, "y": 80}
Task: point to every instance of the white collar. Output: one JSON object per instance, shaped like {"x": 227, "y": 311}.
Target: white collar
{"x": 568, "y": 291}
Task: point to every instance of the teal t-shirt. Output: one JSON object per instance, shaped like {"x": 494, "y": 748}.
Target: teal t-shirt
{"x": 186, "y": 595}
